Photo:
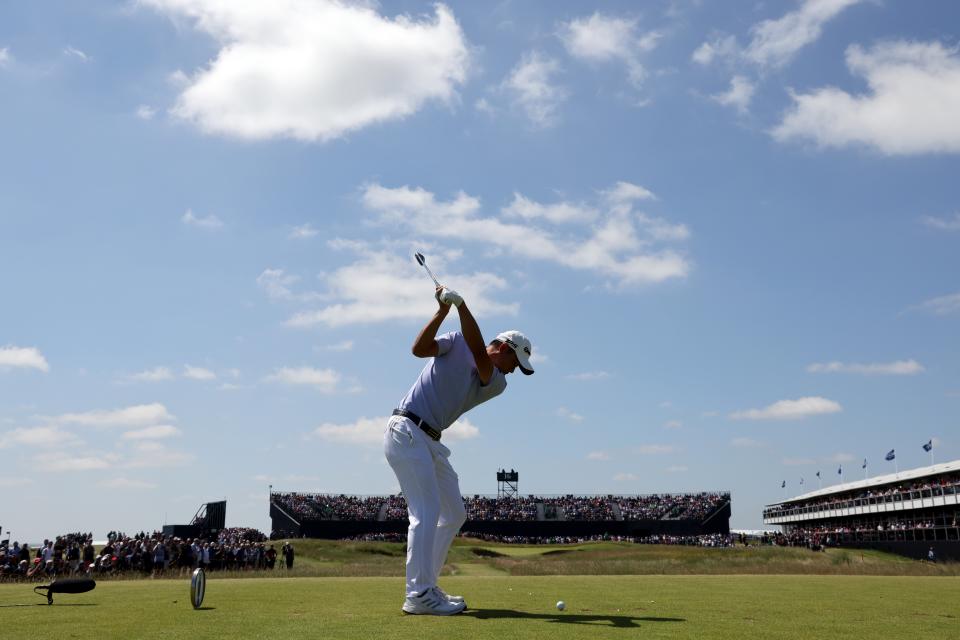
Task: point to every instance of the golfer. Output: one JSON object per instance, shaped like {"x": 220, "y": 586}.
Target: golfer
{"x": 462, "y": 372}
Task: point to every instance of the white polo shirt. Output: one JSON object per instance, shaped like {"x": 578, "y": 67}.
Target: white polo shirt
{"x": 449, "y": 384}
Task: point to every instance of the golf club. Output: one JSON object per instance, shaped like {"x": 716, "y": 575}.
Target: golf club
{"x": 423, "y": 263}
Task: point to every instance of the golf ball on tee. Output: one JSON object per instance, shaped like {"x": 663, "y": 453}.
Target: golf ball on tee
{"x": 561, "y": 606}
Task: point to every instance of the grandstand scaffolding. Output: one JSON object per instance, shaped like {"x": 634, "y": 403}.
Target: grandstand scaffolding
{"x": 508, "y": 483}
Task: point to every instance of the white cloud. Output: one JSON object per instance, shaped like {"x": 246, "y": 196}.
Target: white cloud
{"x": 134, "y": 416}
{"x": 323, "y": 380}
{"x": 346, "y": 345}
{"x": 383, "y": 286}
{"x": 210, "y": 223}
{"x": 23, "y": 358}
{"x": 790, "y": 410}
{"x": 38, "y": 437}
{"x": 746, "y": 443}
{"x": 625, "y": 477}
{"x": 303, "y": 232}
{"x": 598, "y": 455}
{"x": 18, "y": 481}
{"x": 558, "y": 213}
{"x": 369, "y": 431}
{"x": 626, "y": 192}
{"x": 722, "y": 47}
{"x": 677, "y": 468}
{"x": 589, "y": 375}
{"x": 539, "y": 358}
{"x": 655, "y": 449}
{"x": 566, "y": 414}
{"x": 622, "y": 244}
{"x": 533, "y": 89}
{"x": 910, "y": 107}
{"x": 840, "y": 458}
{"x": 5, "y": 56}
{"x": 776, "y": 42}
{"x": 152, "y": 433}
{"x": 126, "y": 483}
{"x": 156, "y": 455}
{"x": 483, "y": 106}
{"x": 943, "y": 305}
{"x": 146, "y": 112}
{"x": 602, "y": 38}
{"x": 279, "y": 286}
{"x": 462, "y": 429}
{"x": 60, "y": 461}
{"x": 673, "y": 424}
{"x": 76, "y": 53}
{"x": 944, "y": 224}
{"x": 364, "y": 431}
{"x": 898, "y": 368}
{"x": 738, "y": 96}
{"x": 157, "y": 374}
{"x": 316, "y": 70}
{"x": 198, "y": 373}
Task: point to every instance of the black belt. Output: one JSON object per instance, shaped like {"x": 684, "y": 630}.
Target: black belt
{"x": 420, "y": 422}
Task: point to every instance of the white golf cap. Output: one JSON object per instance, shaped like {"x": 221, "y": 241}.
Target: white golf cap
{"x": 521, "y": 346}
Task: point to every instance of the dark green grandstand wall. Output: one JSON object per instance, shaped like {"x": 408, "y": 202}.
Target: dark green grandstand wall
{"x": 333, "y": 529}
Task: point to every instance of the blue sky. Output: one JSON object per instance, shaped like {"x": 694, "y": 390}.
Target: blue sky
{"x": 730, "y": 229}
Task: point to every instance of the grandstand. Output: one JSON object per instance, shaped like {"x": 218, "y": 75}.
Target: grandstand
{"x": 342, "y": 516}
{"x": 907, "y": 513}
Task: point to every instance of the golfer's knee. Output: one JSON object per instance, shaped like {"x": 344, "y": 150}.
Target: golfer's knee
{"x": 454, "y": 517}
{"x": 425, "y": 516}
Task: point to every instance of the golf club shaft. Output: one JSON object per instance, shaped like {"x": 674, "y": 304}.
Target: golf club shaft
{"x": 433, "y": 277}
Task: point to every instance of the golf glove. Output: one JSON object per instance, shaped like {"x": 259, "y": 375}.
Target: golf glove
{"x": 449, "y": 296}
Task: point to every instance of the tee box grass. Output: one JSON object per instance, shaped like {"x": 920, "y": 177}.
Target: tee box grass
{"x": 612, "y": 590}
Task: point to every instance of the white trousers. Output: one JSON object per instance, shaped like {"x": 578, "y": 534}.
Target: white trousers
{"x": 434, "y": 504}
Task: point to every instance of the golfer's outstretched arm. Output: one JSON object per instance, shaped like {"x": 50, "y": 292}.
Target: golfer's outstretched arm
{"x": 471, "y": 332}
{"x": 425, "y": 345}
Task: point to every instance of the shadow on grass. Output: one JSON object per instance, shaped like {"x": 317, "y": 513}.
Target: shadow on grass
{"x": 56, "y": 604}
{"x": 568, "y": 618}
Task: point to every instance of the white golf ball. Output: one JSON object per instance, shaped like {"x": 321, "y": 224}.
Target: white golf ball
{"x": 561, "y": 606}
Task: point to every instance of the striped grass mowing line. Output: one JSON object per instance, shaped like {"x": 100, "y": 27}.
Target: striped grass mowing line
{"x": 519, "y": 608}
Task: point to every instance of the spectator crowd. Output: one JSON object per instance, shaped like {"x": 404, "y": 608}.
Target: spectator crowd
{"x": 695, "y": 506}
{"x": 154, "y": 554}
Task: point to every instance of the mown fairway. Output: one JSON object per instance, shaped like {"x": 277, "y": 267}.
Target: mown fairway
{"x": 501, "y": 607}
{"x": 354, "y": 590}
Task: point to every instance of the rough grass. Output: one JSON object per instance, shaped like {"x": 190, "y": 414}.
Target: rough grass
{"x": 631, "y": 559}
{"x": 519, "y": 608}
{"x": 329, "y": 558}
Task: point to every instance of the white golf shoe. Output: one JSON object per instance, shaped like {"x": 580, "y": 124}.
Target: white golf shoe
{"x": 431, "y": 602}
{"x": 450, "y": 598}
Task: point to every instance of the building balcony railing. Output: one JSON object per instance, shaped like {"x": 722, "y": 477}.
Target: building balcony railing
{"x": 925, "y": 498}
